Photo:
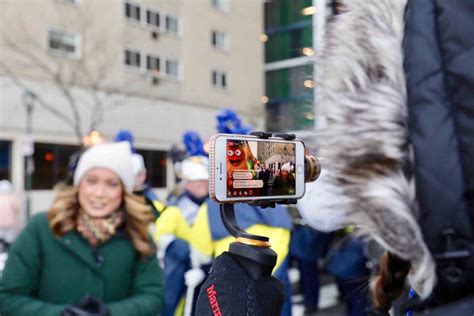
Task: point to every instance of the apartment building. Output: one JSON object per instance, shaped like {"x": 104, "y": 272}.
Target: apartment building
{"x": 155, "y": 67}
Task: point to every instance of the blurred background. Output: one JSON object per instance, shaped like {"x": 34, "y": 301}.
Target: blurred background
{"x": 74, "y": 72}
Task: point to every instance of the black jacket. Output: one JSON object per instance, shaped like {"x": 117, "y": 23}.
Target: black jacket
{"x": 439, "y": 67}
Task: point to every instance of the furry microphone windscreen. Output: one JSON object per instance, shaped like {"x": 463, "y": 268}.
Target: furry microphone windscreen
{"x": 362, "y": 136}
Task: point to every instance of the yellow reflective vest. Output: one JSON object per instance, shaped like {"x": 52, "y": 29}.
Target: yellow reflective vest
{"x": 202, "y": 240}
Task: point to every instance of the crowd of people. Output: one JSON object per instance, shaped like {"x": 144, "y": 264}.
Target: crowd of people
{"x": 278, "y": 179}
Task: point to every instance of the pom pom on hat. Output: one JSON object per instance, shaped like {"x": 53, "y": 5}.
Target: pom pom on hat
{"x": 116, "y": 157}
{"x": 195, "y": 168}
{"x": 126, "y": 135}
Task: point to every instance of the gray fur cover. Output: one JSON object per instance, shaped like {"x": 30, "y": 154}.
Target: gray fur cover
{"x": 361, "y": 136}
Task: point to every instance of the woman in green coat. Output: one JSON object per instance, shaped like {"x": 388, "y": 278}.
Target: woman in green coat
{"x": 91, "y": 251}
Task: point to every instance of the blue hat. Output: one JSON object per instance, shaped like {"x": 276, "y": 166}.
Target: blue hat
{"x": 229, "y": 122}
{"x": 193, "y": 143}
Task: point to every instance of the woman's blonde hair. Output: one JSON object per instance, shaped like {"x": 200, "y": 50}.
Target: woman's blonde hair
{"x": 63, "y": 213}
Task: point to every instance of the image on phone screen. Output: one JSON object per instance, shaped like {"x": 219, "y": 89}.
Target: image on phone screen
{"x": 256, "y": 169}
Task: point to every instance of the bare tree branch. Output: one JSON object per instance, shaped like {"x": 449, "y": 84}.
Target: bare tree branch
{"x": 84, "y": 83}
{"x": 98, "y": 116}
{"x": 75, "y": 111}
{"x": 28, "y": 53}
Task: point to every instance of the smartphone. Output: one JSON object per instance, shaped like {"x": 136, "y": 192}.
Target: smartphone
{"x": 244, "y": 168}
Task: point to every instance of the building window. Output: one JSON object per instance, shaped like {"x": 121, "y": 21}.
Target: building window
{"x": 155, "y": 164}
{"x": 51, "y": 164}
{"x": 5, "y": 160}
{"x": 219, "y": 79}
{"x": 132, "y": 11}
{"x": 290, "y": 98}
{"x": 152, "y": 63}
{"x": 290, "y": 114}
{"x": 172, "y": 68}
{"x": 289, "y": 82}
{"x": 172, "y": 24}
{"x": 219, "y": 40}
{"x": 221, "y": 5}
{"x": 290, "y": 13}
{"x": 132, "y": 58}
{"x": 65, "y": 43}
{"x": 152, "y": 18}
{"x": 289, "y": 44}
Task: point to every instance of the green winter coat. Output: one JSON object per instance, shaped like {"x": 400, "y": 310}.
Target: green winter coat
{"x": 43, "y": 274}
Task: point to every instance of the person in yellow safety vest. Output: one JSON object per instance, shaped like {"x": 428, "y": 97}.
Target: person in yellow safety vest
{"x": 173, "y": 231}
{"x": 210, "y": 238}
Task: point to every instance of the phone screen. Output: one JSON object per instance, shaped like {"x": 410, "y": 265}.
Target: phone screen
{"x": 256, "y": 168}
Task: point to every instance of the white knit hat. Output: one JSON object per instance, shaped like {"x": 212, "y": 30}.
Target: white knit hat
{"x": 286, "y": 166}
{"x": 138, "y": 163}
{"x": 116, "y": 157}
{"x": 195, "y": 168}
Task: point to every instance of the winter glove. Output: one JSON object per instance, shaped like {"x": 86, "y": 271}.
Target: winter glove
{"x": 194, "y": 277}
{"x": 88, "y": 306}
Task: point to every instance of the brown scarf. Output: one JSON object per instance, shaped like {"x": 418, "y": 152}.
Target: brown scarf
{"x": 98, "y": 230}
